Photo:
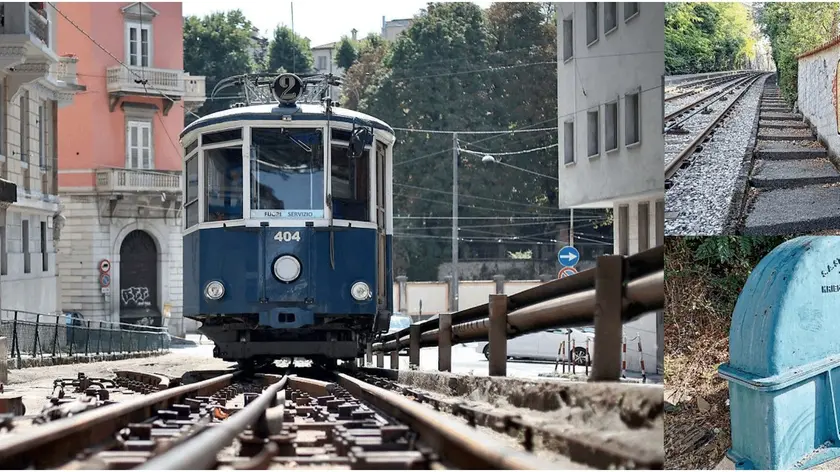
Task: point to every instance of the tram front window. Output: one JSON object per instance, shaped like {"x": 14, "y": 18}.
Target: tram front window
{"x": 224, "y": 183}
{"x": 287, "y": 173}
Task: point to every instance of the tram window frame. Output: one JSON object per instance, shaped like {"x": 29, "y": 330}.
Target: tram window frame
{"x": 225, "y": 184}
{"x": 191, "y": 198}
{"x": 317, "y": 159}
{"x": 221, "y": 136}
{"x": 358, "y": 184}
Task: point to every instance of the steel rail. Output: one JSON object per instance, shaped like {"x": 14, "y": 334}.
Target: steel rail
{"x": 54, "y": 444}
{"x": 703, "y": 86}
{"x": 454, "y": 442}
{"x": 712, "y": 96}
{"x": 199, "y": 452}
{"x": 671, "y": 167}
{"x": 641, "y": 295}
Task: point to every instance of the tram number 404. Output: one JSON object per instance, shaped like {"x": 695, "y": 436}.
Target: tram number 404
{"x": 287, "y": 236}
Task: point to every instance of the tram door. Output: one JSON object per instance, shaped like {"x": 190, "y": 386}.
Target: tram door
{"x": 380, "y": 225}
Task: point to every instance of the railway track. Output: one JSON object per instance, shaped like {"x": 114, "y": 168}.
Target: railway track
{"x": 284, "y": 418}
{"x": 693, "y": 88}
{"x": 793, "y": 186}
{"x": 687, "y": 128}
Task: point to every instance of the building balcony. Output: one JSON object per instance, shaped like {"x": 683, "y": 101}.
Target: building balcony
{"x": 138, "y": 181}
{"x": 175, "y": 84}
{"x": 27, "y": 36}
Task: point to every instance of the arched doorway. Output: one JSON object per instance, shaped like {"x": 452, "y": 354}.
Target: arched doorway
{"x": 138, "y": 280}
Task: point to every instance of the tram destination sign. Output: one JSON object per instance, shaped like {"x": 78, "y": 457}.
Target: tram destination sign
{"x": 287, "y": 213}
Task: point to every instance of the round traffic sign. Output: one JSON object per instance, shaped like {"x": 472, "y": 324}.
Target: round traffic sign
{"x": 568, "y": 256}
{"x": 105, "y": 280}
{"x": 104, "y": 265}
{"x": 566, "y": 272}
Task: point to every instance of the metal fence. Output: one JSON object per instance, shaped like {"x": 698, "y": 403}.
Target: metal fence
{"x": 617, "y": 290}
{"x": 58, "y": 335}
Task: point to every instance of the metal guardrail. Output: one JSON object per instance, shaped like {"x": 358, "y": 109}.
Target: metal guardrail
{"x": 619, "y": 289}
{"x": 57, "y": 335}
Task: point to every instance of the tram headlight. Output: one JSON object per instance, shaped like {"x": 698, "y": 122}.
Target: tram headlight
{"x": 360, "y": 291}
{"x": 214, "y": 290}
{"x": 287, "y": 268}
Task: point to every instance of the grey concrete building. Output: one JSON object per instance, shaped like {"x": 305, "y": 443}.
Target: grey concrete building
{"x": 34, "y": 82}
{"x": 610, "y": 110}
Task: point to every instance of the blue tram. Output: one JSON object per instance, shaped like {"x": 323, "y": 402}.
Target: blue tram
{"x": 288, "y": 224}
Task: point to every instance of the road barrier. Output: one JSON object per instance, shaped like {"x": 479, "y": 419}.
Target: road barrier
{"x": 32, "y": 335}
{"x": 619, "y": 289}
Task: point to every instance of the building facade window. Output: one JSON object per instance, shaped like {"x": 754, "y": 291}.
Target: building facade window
{"x": 591, "y": 22}
{"x": 24, "y": 126}
{"x": 322, "y": 62}
{"x": 568, "y": 142}
{"x": 4, "y": 258}
{"x": 644, "y": 226}
{"x": 45, "y": 259}
{"x": 568, "y": 38}
{"x": 593, "y": 137}
{"x": 24, "y": 236}
{"x": 631, "y": 119}
{"x": 139, "y": 145}
{"x": 138, "y": 44}
{"x": 610, "y": 16}
{"x": 631, "y": 9}
{"x": 42, "y": 136}
{"x": 623, "y": 230}
{"x": 611, "y": 126}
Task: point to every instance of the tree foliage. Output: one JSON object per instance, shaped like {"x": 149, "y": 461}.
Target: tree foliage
{"x": 707, "y": 37}
{"x": 216, "y": 46}
{"x": 794, "y": 28}
{"x": 346, "y": 55}
{"x": 451, "y": 70}
{"x": 289, "y": 52}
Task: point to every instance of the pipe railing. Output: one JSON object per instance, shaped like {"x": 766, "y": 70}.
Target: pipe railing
{"x": 619, "y": 289}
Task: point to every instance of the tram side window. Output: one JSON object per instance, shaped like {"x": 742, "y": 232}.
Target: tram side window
{"x": 223, "y": 183}
{"x": 350, "y": 185}
{"x": 191, "y": 205}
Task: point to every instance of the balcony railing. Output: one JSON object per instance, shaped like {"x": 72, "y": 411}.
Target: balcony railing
{"x": 137, "y": 180}
{"x": 194, "y": 89}
{"x": 38, "y": 24}
{"x": 132, "y": 78}
{"x": 65, "y": 69}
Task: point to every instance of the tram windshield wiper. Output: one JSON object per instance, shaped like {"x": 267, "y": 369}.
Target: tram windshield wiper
{"x": 296, "y": 141}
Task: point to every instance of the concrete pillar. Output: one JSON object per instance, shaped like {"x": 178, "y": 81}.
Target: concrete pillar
{"x": 402, "y": 289}
{"x": 445, "y": 342}
{"x": 4, "y": 363}
{"x": 395, "y": 359}
{"x": 608, "y": 327}
{"x": 380, "y": 359}
{"x": 414, "y": 347}
{"x": 499, "y": 280}
{"x": 451, "y": 292}
{"x": 497, "y": 335}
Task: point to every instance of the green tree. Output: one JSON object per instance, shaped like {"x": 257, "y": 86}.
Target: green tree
{"x": 347, "y": 54}
{"x": 216, "y": 46}
{"x": 289, "y": 52}
{"x": 364, "y": 73}
{"x": 794, "y": 28}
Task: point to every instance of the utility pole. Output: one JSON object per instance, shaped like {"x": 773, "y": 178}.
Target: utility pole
{"x": 572, "y": 227}
{"x": 294, "y": 58}
{"x": 455, "y": 219}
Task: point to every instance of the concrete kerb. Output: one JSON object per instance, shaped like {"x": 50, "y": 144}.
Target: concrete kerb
{"x": 26, "y": 362}
{"x": 741, "y": 190}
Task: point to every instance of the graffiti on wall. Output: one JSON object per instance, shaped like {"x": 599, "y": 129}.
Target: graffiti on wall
{"x": 135, "y": 296}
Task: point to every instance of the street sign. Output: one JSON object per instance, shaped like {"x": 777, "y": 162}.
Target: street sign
{"x": 104, "y": 265}
{"x": 105, "y": 280}
{"x": 568, "y": 256}
{"x": 566, "y": 272}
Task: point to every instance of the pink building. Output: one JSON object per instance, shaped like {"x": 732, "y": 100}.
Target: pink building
{"x": 120, "y": 162}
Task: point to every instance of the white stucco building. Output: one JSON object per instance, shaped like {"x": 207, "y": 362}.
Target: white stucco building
{"x": 610, "y": 111}
{"x": 34, "y": 82}
{"x": 392, "y": 28}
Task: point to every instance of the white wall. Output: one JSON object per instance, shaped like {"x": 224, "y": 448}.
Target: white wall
{"x": 629, "y": 59}
{"x": 817, "y": 79}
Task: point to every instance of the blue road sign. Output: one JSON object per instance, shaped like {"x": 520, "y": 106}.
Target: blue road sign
{"x": 568, "y": 256}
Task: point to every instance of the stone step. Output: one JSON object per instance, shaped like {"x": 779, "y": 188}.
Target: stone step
{"x": 782, "y": 124}
{"x": 794, "y": 210}
{"x": 789, "y": 153}
{"x": 767, "y": 109}
{"x": 776, "y": 116}
{"x": 785, "y": 137}
{"x": 793, "y": 173}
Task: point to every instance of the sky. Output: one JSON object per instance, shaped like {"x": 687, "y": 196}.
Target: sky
{"x": 321, "y": 21}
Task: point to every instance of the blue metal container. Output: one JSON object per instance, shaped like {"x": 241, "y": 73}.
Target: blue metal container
{"x": 784, "y": 354}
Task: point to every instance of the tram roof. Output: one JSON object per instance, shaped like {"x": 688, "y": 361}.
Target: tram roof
{"x": 299, "y": 112}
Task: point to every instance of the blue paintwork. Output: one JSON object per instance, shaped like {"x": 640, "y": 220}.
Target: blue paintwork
{"x": 568, "y": 256}
{"x": 242, "y": 259}
{"x": 301, "y": 112}
{"x": 784, "y": 358}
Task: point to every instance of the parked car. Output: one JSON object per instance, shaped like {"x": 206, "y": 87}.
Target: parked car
{"x": 399, "y": 322}
{"x": 545, "y": 345}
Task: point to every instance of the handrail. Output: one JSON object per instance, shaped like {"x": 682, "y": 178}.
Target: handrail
{"x": 619, "y": 289}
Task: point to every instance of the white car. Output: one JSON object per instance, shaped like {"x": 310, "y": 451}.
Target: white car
{"x": 545, "y": 345}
